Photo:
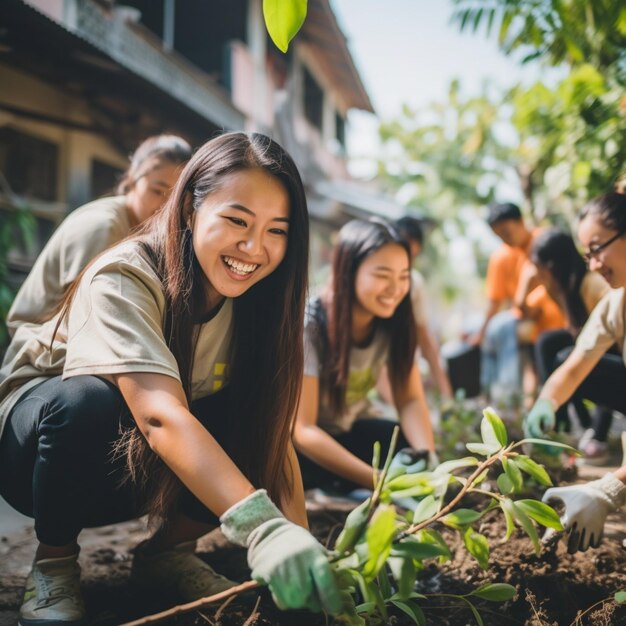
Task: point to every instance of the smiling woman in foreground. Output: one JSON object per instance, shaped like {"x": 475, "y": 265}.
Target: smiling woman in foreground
{"x": 159, "y": 388}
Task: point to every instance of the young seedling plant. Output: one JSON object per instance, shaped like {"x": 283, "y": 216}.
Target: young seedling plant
{"x": 379, "y": 552}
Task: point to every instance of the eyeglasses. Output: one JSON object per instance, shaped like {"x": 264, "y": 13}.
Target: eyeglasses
{"x": 594, "y": 251}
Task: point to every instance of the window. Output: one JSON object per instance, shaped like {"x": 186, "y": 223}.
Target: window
{"x": 104, "y": 178}
{"x": 29, "y": 164}
{"x": 313, "y": 100}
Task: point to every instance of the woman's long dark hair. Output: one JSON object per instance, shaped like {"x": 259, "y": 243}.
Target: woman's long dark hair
{"x": 555, "y": 250}
{"x": 266, "y": 359}
{"x": 357, "y": 240}
{"x": 609, "y": 208}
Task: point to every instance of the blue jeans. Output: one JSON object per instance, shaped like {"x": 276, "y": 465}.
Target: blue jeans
{"x": 500, "y": 357}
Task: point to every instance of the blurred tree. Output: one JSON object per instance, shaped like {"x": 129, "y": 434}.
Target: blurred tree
{"x": 447, "y": 160}
{"x": 558, "y": 31}
{"x": 573, "y": 136}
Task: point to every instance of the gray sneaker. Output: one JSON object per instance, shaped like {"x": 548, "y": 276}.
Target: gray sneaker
{"x": 52, "y": 596}
{"x": 178, "y": 570}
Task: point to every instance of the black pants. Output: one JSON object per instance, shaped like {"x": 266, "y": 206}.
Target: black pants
{"x": 604, "y": 385}
{"x": 57, "y": 463}
{"x": 360, "y": 441}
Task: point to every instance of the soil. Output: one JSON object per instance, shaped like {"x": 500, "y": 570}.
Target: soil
{"x": 552, "y": 587}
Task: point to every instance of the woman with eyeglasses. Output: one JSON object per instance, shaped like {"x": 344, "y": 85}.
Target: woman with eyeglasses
{"x": 598, "y": 376}
{"x": 562, "y": 270}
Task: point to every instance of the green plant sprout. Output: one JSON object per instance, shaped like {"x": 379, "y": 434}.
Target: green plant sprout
{"x": 380, "y": 551}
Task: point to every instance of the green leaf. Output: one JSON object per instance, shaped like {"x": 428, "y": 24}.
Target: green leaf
{"x": 379, "y": 537}
{"x": 552, "y": 443}
{"x": 510, "y": 524}
{"x": 495, "y": 592}
{"x": 620, "y": 597}
{"x": 419, "y": 551}
{"x": 488, "y": 434}
{"x": 514, "y": 474}
{"x": 497, "y": 426}
{"x": 541, "y": 512}
{"x": 533, "y": 469}
{"x": 404, "y": 572}
{"x": 425, "y": 509}
{"x": 449, "y": 466}
{"x": 410, "y": 481}
{"x": 483, "y": 449}
{"x": 353, "y": 528}
{"x": 460, "y": 518}
{"x": 478, "y": 546}
{"x": 283, "y": 19}
{"x": 504, "y": 484}
{"x": 477, "y": 617}
{"x": 384, "y": 582}
{"x": 428, "y": 535}
{"x": 413, "y": 610}
{"x": 526, "y": 523}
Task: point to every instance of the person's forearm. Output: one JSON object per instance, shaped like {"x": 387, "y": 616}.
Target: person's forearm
{"x": 294, "y": 508}
{"x": 563, "y": 382}
{"x": 416, "y": 425}
{"x": 431, "y": 354}
{"x": 327, "y": 452}
{"x": 494, "y": 306}
{"x": 204, "y": 467}
{"x": 620, "y": 474}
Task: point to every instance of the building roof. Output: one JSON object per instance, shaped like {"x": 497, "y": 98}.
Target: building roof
{"x": 321, "y": 31}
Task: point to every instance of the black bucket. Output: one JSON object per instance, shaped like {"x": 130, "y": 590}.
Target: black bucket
{"x": 463, "y": 363}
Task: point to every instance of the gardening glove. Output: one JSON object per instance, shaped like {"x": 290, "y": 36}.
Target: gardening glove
{"x": 283, "y": 555}
{"x": 410, "y": 461}
{"x": 541, "y": 419}
{"x": 586, "y": 509}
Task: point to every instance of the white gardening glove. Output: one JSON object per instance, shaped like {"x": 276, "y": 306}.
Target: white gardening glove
{"x": 586, "y": 509}
{"x": 282, "y": 555}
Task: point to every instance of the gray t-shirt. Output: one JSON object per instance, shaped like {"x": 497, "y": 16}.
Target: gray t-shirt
{"x": 366, "y": 364}
{"x": 114, "y": 326}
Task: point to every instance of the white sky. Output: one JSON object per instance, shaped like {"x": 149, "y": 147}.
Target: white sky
{"x": 407, "y": 51}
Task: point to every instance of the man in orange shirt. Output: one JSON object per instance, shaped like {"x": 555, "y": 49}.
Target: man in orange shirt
{"x": 518, "y": 308}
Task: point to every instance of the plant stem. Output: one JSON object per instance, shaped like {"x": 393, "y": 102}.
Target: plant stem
{"x": 192, "y": 606}
{"x": 411, "y": 530}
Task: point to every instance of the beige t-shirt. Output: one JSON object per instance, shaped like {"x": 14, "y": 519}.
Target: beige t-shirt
{"x": 365, "y": 366}
{"x": 606, "y": 325}
{"x": 115, "y": 325}
{"x": 83, "y": 234}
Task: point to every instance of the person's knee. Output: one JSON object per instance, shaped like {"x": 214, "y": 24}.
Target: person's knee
{"x": 77, "y": 408}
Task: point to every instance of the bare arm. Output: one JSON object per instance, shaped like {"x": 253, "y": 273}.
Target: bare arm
{"x": 319, "y": 446}
{"x": 567, "y": 377}
{"x": 431, "y": 354}
{"x": 494, "y": 307}
{"x": 294, "y": 508}
{"x": 413, "y": 413}
{"x": 159, "y": 407}
{"x": 528, "y": 281}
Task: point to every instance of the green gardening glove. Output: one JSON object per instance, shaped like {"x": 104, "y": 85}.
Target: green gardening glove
{"x": 541, "y": 419}
{"x": 282, "y": 555}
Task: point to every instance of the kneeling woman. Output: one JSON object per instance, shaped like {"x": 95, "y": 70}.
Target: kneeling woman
{"x": 176, "y": 338}
{"x": 363, "y": 322}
